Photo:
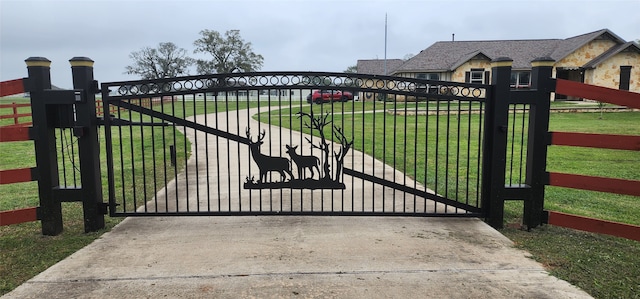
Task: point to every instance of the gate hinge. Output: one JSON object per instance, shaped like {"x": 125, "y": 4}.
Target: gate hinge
{"x": 103, "y": 208}
{"x": 94, "y": 87}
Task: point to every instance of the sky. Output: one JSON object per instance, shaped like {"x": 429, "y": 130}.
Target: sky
{"x": 291, "y": 35}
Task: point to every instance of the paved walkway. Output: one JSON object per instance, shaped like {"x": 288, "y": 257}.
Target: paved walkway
{"x": 298, "y": 257}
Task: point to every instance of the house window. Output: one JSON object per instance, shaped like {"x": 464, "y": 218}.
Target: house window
{"x": 625, "y": 77}
{"x": 428, "y": 76}
{"x": 477, "y": 76}
{"x": 521, "y": 79}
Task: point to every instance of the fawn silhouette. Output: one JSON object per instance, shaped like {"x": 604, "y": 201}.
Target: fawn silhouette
{"x": 303, "y": 162}
{"x": 268, "y": 163}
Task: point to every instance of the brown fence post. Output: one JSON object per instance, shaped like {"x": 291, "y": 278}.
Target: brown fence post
{"x": 86, "y": 129}
{"x": 537, "y": 177}
{"x": 50, "y": 211}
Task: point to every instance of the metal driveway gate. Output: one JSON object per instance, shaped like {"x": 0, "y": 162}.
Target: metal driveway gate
{"x": 294, "y": 144}
{"x": 279, "y": 143}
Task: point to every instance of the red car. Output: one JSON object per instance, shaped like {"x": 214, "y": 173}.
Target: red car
{"x": 320, "y": 96}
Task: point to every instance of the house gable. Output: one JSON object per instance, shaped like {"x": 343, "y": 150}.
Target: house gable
{"x": 629, "y": 47}
{"x": 479, "y": 63}
{"x": 605, "y": 69}
{"x": 570, "y": 45}
{"x": 586, "y": 53}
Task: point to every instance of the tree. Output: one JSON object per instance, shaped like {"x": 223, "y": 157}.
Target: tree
{"x": 352, "y": 69}
{"x": 230, "y": 53}
{"x": 166, "y": 61}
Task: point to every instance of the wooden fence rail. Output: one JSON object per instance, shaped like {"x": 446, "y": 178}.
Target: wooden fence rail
{"x": 19, "y": 122}
{"x": 16, "y": 132}
{"x": 15, "y": 115}
{"x": 12, "y": 176}
{"x": 11, "y": 87}
{"x": 602, "y": 141}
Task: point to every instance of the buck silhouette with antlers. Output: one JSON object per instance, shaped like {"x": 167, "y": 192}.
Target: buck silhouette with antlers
{"x": 303, "y": 162}
{"x": 268, "y": 163}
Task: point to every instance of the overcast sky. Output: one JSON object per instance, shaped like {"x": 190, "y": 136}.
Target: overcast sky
{"x": 293, "y": 35}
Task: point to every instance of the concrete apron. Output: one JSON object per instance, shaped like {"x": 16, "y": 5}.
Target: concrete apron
{"x": 298, "y": 256}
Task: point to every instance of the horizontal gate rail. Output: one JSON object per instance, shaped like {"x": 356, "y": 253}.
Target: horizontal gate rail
{"x": 459, "y": 214}
{"x": 426, "y": 89}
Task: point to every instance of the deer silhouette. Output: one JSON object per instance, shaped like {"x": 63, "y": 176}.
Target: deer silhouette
{"x": 268, "y": 163}
{"x": 303, "y": 162}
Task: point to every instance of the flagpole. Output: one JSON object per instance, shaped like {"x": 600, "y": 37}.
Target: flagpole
{"x": 385, "y": 44}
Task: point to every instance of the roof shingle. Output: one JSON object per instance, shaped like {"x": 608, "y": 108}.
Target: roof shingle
{"x": 448, "y": 55}
{"x": 376, "y": 66}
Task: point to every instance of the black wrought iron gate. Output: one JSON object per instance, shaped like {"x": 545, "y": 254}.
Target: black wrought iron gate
{"x": 294, "y": 143}
{"x": 301, "y": 143}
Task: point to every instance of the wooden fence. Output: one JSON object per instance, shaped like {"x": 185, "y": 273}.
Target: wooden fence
{"x": 18, "y": 118}
{"x": 18, "y": 131}
{"x": 602, "y": 141}
{"x": 24, "y": 119}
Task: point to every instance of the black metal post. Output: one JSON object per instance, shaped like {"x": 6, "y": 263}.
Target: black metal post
{"x": 50, "y": 210}
{"x": 495, "y": 142}
{"x": 86, "y": 129}
{"x": 537, "y": 178}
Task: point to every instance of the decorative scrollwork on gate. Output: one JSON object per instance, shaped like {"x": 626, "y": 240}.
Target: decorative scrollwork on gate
{"x": 303, "y": 80}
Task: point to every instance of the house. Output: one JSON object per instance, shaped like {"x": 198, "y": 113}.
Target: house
{"x": 599, "y": 58}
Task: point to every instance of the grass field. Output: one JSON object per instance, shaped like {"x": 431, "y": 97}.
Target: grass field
{"x": 606, "y": 267}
